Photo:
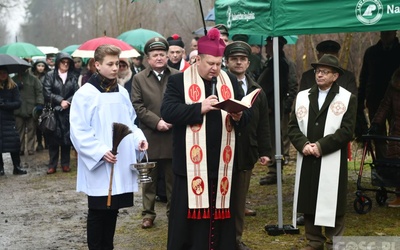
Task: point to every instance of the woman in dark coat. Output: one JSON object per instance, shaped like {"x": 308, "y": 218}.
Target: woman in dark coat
{"x": 9, "y": 137}
{"x": 390, "y": 108}
{"x": 59, "y": 86}
{"x": 39, "y": 69}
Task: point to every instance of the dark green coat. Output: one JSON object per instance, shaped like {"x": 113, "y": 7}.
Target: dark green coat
{"x": 310, "y": 170}
{"x": 31, "y": 92}
{"x": 254, "y": 140}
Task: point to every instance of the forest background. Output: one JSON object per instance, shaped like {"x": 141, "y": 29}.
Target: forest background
{"x": 60, "y": 23}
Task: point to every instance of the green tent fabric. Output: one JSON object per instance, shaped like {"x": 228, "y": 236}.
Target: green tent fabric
{"x": 296, "y": 17}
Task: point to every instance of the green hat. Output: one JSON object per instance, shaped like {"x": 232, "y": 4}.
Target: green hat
{"x": 329, "y": 61}
{"x": 237, "y": 48}
{"x": 240, "y": 37}
{"x": 156, "y": 43}
{"x": 222, "y": 29}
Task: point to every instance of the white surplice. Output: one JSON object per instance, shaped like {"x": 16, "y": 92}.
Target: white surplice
{"x": 92, "y": 116}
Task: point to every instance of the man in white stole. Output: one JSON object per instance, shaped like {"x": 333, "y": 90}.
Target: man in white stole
{"x": 203, "y": 150}
{"x": 320, "y": 128}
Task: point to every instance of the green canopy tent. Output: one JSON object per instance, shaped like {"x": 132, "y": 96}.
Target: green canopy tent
{"x": 296, "y": 17}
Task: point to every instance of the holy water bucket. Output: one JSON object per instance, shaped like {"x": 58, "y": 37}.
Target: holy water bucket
{"x": 144, "y": 169}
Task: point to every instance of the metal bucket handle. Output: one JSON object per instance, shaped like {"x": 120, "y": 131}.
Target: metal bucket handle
{"x": 141, "y": 157}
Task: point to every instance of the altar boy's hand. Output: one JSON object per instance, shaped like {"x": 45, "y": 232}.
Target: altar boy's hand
{"x": 143, "y": 145}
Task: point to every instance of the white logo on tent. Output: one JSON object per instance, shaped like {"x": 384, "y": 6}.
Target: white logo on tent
{"x": 369, "y": 12}
{"x": 238, "y": 16}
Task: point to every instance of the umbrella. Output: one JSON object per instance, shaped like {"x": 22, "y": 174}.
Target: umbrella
{"x": 48, "y": 49}
{"x": 13, "y": 64}
{"x": 210, "y": 16}
{"x": 138, "y": 37}
{"x": 70, "y": 49}
{"x": 19, "y": 49}
{"x": 87, "y": 48}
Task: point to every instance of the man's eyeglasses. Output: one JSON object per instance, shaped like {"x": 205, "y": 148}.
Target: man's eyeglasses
{"x": 64, "y": 61}
{"x": 123, "y": 65}
{"x": 322, "y": 71}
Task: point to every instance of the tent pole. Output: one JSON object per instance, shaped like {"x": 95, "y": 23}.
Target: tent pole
{"x": 280, "y": 228}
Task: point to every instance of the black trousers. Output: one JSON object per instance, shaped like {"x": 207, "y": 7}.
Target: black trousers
{"x": 54, "y": 151}
{"x": 101, "y": 225}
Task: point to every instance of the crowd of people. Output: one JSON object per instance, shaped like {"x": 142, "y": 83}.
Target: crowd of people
{"x": 204, "y": 155}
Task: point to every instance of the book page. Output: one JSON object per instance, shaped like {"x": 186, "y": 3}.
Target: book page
{"x": 235, "y": 106}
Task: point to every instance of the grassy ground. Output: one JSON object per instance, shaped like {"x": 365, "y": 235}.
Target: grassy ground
{"x": 380, "y": 221}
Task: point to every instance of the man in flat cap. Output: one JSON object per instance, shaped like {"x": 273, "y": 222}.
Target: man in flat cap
{"x": 347, "y": 80}
{"x": 176, "y": 53}
{"x": 253, "y": 141}
{"x": 320, "y": 128}
{"x": 203, "y": 153}
{"x": 148, "y": 88}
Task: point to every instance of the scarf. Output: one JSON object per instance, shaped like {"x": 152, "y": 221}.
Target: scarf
{"x": 196, "y": 162}
{"x": 103, "y": 84}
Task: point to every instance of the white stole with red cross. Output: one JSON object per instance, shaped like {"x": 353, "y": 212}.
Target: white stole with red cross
{"x": 196, "y": 160}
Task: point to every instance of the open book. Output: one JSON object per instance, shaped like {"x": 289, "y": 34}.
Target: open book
{"x": 234, "y": 106}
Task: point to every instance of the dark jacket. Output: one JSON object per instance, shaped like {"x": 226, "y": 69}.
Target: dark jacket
{"x": 55, "y": 91}
{"x": 377, "y": 69}
{"x": 254, "y": 140}
{"x": 311, "y": 166}
{"x": 31, "y": 92}
{"x": 266, "y": 81}
{"x": 9, "y": 101}
{"x": 390, "y": 105}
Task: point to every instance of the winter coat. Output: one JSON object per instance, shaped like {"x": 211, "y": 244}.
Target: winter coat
{"x": 253, "y": 140}
{"x": 266, "y": 81}
{"x": 390, "y": 106}
{"x": 31, "y": 92}
{"x": 55, "y": 91}
{"x": 147, "y": 94}
{"x": 9, "y": 137}
{"x": 377, "y": 68}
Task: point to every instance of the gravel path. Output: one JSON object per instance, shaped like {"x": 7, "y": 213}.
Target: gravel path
{"x": 40, "y": 211}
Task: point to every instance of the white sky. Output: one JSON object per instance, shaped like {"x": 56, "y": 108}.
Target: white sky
{"x": 15, "y": 18}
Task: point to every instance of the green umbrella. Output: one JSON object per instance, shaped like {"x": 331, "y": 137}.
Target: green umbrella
{"x": 25, "y": 50}
{"x": 138, "y": 37}
{"x": 70, "y": 49}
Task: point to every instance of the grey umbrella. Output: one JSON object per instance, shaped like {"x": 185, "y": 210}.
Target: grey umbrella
{"x": 13, "y": 64}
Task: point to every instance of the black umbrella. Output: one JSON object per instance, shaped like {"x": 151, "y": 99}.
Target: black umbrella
{"x": 13, "y": 64}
